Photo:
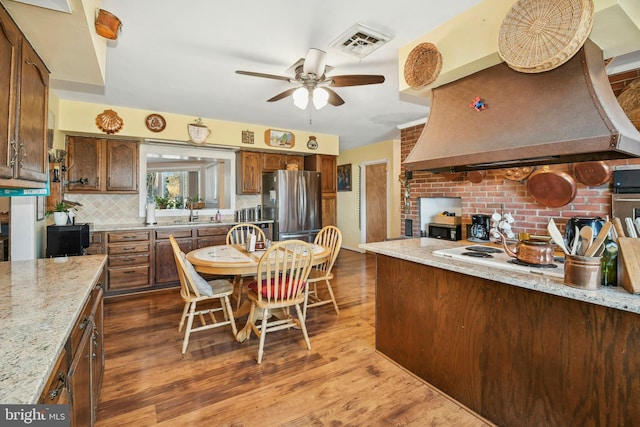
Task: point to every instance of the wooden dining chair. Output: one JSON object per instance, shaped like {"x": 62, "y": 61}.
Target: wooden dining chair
{"x": 329, "y": 237}
{"x": 193, "y": 290}
{"x": 282, "y": 273}
{"x": 237, "y": 235}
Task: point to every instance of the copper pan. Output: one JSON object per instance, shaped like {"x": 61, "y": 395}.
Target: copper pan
{"x": 476, "y": 176}
{"x": 452, "y": 176}
{"x": 592, "y": 174}
{"x": 551, "y": 188}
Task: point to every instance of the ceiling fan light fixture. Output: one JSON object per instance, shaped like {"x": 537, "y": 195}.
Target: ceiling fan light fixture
{"x": 320, "y": 98}
{"x": 301, "y": 98}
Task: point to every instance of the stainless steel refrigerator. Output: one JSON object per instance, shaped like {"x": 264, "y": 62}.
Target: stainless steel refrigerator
{"x": 292, "y": 199}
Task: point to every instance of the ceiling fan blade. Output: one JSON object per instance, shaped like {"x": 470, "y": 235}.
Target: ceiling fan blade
{"x": 282, "y": 95}
{"x": 266, "y": 76}
{"x": 315, "y": 62}
{"x": 355, "y": 80}
{"x": 334, "y": 98}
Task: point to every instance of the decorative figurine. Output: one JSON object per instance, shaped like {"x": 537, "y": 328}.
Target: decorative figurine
{"x": 478, "y": 104}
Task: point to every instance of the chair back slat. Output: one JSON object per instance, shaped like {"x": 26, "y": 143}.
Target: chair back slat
{"x": 283, "y": 270}
{"x": 187, "y": 287}
{"x": 238, "y": 234}
{"x": 330, "y": 237}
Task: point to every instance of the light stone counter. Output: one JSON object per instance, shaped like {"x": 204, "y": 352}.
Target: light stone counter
{"x": 39, "y": 303}
{"x": 161, "y": 225}
{"x": 420, "y": 250}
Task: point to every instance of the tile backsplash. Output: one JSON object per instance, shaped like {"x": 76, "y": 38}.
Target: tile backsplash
{"x": 105, "y": 209}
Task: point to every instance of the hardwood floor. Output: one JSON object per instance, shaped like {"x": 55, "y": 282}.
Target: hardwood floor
{"x": 341, "y": 381}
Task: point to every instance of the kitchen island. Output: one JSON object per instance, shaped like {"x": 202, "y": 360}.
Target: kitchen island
{"x": 40, "y": 303}
{"x": 519, "y": 349}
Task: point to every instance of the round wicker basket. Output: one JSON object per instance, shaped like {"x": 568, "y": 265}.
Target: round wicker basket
{"x": 422, "y": 65}
{"x": 540, "y": 35}
{"x": 629, "y": 100}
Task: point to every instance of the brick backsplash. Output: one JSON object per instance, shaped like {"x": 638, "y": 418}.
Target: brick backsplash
{"x": 495, "y": 190}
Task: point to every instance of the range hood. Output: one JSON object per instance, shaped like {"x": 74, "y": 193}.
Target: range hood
{"x": 565, "y": 115}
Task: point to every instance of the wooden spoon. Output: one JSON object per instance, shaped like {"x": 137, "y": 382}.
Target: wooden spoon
{"x": 552, "y": 228}
{"x": 595, "y": 246}
{"x": 586, "y": 237}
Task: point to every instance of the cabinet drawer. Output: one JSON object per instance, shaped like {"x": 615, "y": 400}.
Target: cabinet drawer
{"x": 128, "y": 277}
{"x": 213, "y": 231}
{"x": 211, "y": 241}
{"x": 95, "y": 237}
{"x": 124, "y": 260}
{"x": 55, "y": 390}
{"x": 180, "y": 233}
{"x": 133, "y": 247}
{"x": 127, "y": 236}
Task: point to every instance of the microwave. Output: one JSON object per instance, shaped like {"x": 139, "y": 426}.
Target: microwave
{"x": 445, "y": 231}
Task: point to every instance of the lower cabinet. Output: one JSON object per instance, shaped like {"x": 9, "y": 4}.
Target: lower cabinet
{"x": 329, "y": 209}
{"x": 165, "y": 262}
{"x": 77, "y": 377}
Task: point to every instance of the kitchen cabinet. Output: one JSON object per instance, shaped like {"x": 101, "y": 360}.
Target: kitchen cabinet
{"x": 211, "y": 236}
{"x": 277, "y": 161}
{"x": 327, "y": 166}
{"x": 55, "y": 391}
{"x": 85, "y": 350}
{"x": 129, "y": 262}
{"x": 24, "y": 83}
{"x": 248, "y": 172}
{"x": 55, "y": 187}
{"x": 95, "y": 244}
{"x": 99, "y": 165}
{"x": 165, "y": 262}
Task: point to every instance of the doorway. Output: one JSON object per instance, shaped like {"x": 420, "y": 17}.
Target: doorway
{"x": 374, "y": 195}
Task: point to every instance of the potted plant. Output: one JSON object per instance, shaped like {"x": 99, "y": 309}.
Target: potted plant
{"x": 197, "y": 202}
{"x": 162, "y": 202}
{"x": 60, "y": 213}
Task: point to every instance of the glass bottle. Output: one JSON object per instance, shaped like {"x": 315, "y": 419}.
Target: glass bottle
{"x": 610, "y": 262}
{"x": 218, "y": 216}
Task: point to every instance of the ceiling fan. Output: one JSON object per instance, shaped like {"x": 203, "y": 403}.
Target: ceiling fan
{"x": 312, "y": 82}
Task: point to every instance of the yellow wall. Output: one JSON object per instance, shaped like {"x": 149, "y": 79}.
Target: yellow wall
{"x": 80, "y": 118}
{"x": 348, "y": 201}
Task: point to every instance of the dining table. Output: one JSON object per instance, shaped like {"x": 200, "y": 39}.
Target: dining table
{"x": 236, "y": 260}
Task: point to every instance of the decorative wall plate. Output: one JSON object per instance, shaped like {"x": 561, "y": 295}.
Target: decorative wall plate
{"x": 109, "y": 122}
{"x": 155, "y": 122}
{"x": 312, "y": 143}
{"x": 422, "y": 66}
{"x": 198, "y": 132}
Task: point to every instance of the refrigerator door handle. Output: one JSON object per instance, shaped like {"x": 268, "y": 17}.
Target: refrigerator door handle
{"x": 302, "y": 201}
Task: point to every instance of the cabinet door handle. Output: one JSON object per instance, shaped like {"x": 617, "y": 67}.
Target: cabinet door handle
{"x": 85, "y": 320}
{"x": 14, "y": 155}
{"x": 56, "y": 391}
{"x": 24, "y": 154}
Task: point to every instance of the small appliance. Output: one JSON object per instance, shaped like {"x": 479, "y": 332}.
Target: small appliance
{"x": 480, "y": 227}
{"x": 445, "y": 231}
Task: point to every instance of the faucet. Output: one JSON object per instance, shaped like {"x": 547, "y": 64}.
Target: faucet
{"x": 193, "y": 215}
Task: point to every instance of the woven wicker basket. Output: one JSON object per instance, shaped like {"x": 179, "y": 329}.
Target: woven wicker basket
{"x": 422, "y": 65}
{"x": 540, "y": 35}
{"x": 629, "y": 100}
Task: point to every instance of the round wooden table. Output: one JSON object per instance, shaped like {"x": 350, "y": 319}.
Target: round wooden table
{"x": 235, "y": 260}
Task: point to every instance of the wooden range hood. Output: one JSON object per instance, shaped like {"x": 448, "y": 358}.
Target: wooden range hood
{"x": 565, "y": 115}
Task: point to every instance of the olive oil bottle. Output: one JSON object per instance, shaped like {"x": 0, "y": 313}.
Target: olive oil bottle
{"x": 610, "y": 262}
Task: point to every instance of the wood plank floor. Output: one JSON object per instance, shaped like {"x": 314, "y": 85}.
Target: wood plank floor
{"x": 341, "y": 381}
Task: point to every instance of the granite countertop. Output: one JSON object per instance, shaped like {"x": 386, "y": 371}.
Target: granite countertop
{"x": 420, "y": 250}
{"x": 161, "y": 225}
{"x": 39, "y": 303}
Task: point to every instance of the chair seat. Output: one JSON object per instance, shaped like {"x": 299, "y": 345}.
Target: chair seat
{"x": 277, "y": 291}
{"x": 221, "y": 287}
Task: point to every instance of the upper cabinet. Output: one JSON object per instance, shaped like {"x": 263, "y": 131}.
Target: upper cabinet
{"x": 327, "y": 166}
{"x": 248, "y": 172}
{"x": 24, "y": 88}
{"x": 99, "y": 165}
{"x": 277, "y": 161}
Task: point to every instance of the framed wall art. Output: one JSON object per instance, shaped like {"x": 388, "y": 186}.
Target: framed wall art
{"x": 279, "y": 138}
{"x": 247, "y": 137}
{"x": 344, "y": 177}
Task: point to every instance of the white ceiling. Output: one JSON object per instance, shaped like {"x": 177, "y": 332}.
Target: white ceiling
{"x": 181, "y": 57}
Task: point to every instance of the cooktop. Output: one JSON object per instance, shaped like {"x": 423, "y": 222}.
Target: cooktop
{"x": 491, "y": 256}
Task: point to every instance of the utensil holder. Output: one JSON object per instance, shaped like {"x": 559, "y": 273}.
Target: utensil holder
{"x": 582, "y": 272}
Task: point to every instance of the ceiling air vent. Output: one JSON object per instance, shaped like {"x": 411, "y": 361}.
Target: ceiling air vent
{"x": 360, "y": 41}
